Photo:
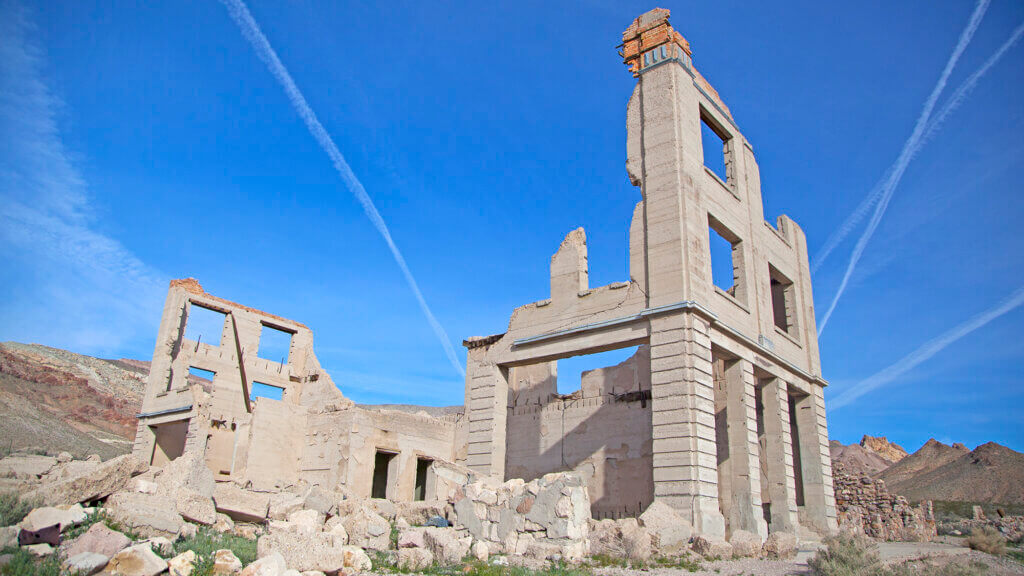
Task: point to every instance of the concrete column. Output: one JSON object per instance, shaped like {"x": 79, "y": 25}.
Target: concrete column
{"x": 683, "y": 420}
{"x": 816, "y": 464}
{"x": 487, "y": 411}
{"x": 779, "y": 457}
{"x": 742, "y": 463}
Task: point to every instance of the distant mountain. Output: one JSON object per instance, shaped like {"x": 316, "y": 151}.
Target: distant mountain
{"x": 55, "y": 400}
{"x": 871, "y": 456}
{"x": 932, "y": 455}
{"x": 880, "y": 445}
{"x": 991, "y": 473}
{"x": 856, "y": 459}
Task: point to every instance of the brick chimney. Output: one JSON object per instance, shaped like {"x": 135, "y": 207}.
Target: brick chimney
{"x": 650, "y": 40}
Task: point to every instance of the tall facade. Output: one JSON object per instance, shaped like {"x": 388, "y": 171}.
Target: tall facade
{"x": 721, "y": 412}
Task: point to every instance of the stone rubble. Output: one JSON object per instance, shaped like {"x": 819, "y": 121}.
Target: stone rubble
{"x": 865, "y": 506}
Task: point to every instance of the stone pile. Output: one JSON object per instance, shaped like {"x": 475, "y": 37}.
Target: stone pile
{"x": 1011, "y": 527}
{"x": 865, "y": 506}
{"x": 544, "y": 518}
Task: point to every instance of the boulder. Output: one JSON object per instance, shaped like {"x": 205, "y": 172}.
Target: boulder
{"x": 39, "y": 550}
{"x": 26, "y": 466}
{"x": 411, "y": 538}
{"x": 606, "y": 538}
{"x": 356, "y": 559}
{"x": 671, "y": 531}
{"x": 745, "y": 544}
{"x": 480, "y": 551}
{"x": 637, "y": 541}
{"x": 282, "y": 504}
{"x": 415, "y": 559}
{"x": 182, "y": 564}
{"x": 160, "y": 545}
{"x": 225, "y": 562}
{"x": 418, "y": 513}
{"x": 780, "y": 545}
{"x": 712, "y": 547}
{"x": 9, "y": 536}
{"x": 241, "y": 505}
{"x": 40, "y": 518}
{"x": 85, "y": 563}
{"x": 307, "y": 521}
{"x": 367, "y": 529}
{"x": 197, "y": 509}
{"x": 98, "y": 539}
{"x": 270, "y": 565}
{"x": 98, "y": 482}
{"x": 223, "y": 524}
{"x": 321, "y": 551}
{"x": 138, "y": 560}
{"x": 45, "y": 535}
{"x": 320, "y": 500}
{"x": 149, "y": 515}
{"x": 445, "y": 544}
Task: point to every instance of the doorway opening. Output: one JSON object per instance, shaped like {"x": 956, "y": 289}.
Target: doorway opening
{"x": 382, "y": 474}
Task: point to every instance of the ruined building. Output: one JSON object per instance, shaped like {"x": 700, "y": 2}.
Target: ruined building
{"x": 720, "y": 413}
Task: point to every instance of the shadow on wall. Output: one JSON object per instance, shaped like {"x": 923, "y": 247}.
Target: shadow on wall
{"x": 603, "y": 430}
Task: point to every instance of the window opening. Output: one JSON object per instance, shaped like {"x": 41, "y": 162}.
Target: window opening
{"x": 261, "y": 390}
{"x": 201, "y": 377}
{"x": 275, "y": 344}
{"x": 783, "y": 302}
{"x": 726, "y": 259}
{"x": 205, "y": 324}
{"x": 714, "y": 141}
{"x": 571, "y": 371}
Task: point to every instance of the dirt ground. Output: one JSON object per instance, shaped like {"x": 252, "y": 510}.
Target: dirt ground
{"x": 922, "y": 553}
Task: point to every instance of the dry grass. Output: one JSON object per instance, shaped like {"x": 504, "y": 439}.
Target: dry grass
{"x": 987, "y": 539}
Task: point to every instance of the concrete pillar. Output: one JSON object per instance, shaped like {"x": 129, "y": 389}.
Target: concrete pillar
{"x": 487, "y": 411}
{"x": 778, "y": 456}
{"x": 816, "y": 464}
{"x": 683, "y": 420}
{"x": 735, "y": 389}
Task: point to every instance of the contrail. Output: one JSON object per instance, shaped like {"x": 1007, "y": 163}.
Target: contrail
{"x": 929, "y": 349}
{"x": 910, "y": 148}
{"x": 251, "y": 30}
{"x": 934, "y": 125}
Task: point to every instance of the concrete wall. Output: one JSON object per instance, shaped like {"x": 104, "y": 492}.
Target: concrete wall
{"x": 709, "y": 469}
{"x": 602, "y": 431}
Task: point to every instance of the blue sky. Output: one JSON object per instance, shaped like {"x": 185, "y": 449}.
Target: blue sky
{"x": 144, "y": 143}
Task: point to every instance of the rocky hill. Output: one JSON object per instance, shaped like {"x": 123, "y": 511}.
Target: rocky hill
{"x": 871, "y": 456}
{"x": 55, "y": 400}
{"x": 991, "y": 473}
{"x": 881, "y": 446}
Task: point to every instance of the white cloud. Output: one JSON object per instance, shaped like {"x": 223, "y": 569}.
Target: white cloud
{"x": 69, "y": 284}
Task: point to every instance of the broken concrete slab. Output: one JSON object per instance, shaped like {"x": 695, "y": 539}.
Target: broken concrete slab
{"x": 138, "y": 560}
{"x": 85, "y": 563}
{"x": 98, "y": 539}
{"x": 241, "y": 505}
{"x": 99, "y": 482}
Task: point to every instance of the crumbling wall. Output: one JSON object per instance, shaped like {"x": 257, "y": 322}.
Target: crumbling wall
{"x": 602, "y": 431}
{"x": 866, "y": 507}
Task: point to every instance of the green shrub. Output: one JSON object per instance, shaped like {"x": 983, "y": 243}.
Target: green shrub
{"x": 207, "y": 541}
{"x": 14, "y": 508}
{"x": 987, "y": 539}
{"x": 23, "y": 563}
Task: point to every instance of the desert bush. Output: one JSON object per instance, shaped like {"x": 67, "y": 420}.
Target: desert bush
{"x": 14, "y": 508}
{"x": 987, "y": 539}
{"x": 846, "y": 555}
{"x": 23, "y": 563}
